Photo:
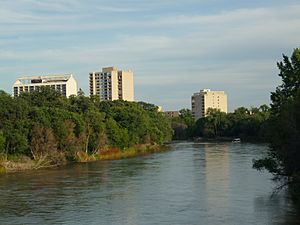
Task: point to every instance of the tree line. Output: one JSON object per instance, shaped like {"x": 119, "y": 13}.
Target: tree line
{"x": 46, "y": 124}
{"x": 248, "y": 124}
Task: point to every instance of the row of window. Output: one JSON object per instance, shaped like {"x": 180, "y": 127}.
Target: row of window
{"x": 61, "y": 88}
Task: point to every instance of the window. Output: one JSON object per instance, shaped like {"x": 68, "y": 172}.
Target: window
{"x": 15, "y": 91}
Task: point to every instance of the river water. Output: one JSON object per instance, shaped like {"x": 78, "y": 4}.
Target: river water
{"x": 191, "y": 184}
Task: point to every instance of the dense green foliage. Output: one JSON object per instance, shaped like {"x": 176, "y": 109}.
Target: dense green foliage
{"x": 44, "y": 122}
{"x": 284, "y": 156}
{"x": 248, "y": 124}
{"x": 183, "y": 125}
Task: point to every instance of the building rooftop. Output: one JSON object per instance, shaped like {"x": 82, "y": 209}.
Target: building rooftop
{"x": 43, "y": 79}
{"x": 208, "y": 91}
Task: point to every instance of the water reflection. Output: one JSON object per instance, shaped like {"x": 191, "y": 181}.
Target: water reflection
{"x": 192, "y": 184}
{"x": 217, "y": 178}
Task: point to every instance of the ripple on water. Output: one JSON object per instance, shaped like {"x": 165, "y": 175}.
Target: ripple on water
{"x": 194, "y": 183}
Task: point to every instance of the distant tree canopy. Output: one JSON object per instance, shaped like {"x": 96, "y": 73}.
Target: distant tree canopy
{"x": 44, "y": 121}
{"x": 284, "y": 156}
{"x": 249, "y": 124}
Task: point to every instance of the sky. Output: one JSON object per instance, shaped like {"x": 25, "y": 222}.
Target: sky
{"x": 174, "y": 47}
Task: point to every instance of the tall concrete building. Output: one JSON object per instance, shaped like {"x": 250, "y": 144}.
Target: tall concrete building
{"x": 65, "y": 84}
{"x": 205, "y": 99}
{"x": 112, "y": 84}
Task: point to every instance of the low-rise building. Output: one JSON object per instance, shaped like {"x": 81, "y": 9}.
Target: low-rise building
{"x": 172, "y": 113}
{"x": 65, "y": 84}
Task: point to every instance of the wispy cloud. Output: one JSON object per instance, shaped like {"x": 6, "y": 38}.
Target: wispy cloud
{"x": 180, "y": 52}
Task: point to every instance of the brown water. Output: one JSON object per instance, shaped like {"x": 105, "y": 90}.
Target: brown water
{"x": 209, "y": 184}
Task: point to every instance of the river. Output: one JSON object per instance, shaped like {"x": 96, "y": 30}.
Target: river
{"x": 193, "y": 183}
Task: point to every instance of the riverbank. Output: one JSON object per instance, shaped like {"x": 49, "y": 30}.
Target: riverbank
{"x": 22, "y": 163}
{"x": 18, "y": 163}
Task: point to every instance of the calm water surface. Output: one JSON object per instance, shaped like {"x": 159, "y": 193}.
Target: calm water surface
{"x": 207, "y": 184}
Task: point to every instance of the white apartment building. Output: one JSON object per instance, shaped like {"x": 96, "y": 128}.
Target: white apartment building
{"x": 112, "y": 84}
{"x": 205, "y": 99}
{"x": 65, "y": 84}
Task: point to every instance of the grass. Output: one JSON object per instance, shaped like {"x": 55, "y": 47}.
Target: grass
{"x": 137, "y": 150}
{"x": 14, "y": 163}
{"x": 113, "y": 153}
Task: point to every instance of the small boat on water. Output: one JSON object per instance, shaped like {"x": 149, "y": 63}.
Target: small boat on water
{"x": 236, "y": 140}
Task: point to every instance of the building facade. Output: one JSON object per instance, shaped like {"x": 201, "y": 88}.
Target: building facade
{"x": 65, "y": 84}
{"x": 172, "y": 113}
{"x": 205, "y": 99}
{"x": 112, "y": 84}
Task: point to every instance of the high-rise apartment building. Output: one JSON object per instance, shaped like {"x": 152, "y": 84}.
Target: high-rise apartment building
{"x": 205, "y": 99}
{"x": 65, "y": 84}
{"x": 112, "y": 84}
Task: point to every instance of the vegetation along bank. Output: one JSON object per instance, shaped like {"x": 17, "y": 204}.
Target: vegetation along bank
{"x": 44, "y": 129}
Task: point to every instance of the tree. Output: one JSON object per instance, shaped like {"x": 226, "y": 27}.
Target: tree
{"x": 14, "y": 124}
{"x": 42, "y": 142}
{"x": 2, "y": 142}
{"x": 118, "y": 137}
{"x": 284, "y": 155}
{"x": 49, "y": 127}
{"x": 187, "y": 117}
{"x": 148, "y": 106}
{"x": 217, "y": 121}
{"x": 179, "y": 130}
{"x": 141, "y": 122}
{"x": 44, "y": 96}
{"x": 183, "y": 126}
{"x": 290, "y": 75}
{"x": 95, "y": 133}
{"x": 80, "y": 104}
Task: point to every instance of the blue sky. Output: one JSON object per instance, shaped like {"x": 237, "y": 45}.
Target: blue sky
{"x": 174, "y": 47}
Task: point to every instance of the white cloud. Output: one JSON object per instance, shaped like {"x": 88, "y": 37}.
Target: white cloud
{"x": 179, "y": 53}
